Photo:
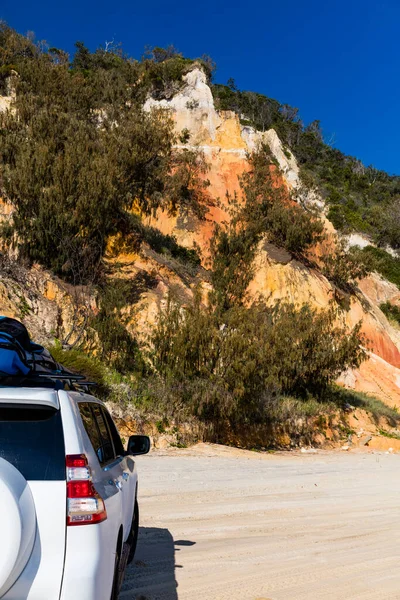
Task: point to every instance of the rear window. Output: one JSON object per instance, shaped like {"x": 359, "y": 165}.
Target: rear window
{"x": 31, "y": 439}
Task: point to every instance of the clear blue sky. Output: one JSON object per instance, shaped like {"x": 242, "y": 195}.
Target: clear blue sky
{"x": 336, "y": 60}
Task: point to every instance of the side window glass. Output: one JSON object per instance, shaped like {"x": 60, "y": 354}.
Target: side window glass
{"x": 92, "y": 429}
{"x": 106, "y": 442}
{"x": 119, "y": 448}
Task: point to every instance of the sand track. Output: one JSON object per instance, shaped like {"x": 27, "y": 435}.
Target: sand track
{"x": 221, "y": 524}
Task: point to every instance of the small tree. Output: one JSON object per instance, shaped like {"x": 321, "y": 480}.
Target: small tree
{"x": 388, "y": 225}
{"x": 343, "y": 266}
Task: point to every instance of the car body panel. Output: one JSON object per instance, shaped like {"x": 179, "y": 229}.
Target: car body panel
{"x": 95, "y": 582}
{"x": 89, "y": 560}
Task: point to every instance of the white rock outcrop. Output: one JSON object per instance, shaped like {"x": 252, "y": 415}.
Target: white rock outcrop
{"x": 5, "y": 103}
{"x": 192, "y": 107}
{"x": 10, "y": 91}
{"x": 285, "y": 158}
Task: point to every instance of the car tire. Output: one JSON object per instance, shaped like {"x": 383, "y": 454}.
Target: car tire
{"x": 134, "y": 534}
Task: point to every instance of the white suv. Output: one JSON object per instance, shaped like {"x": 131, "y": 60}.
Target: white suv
{"x": 68, "y": 496}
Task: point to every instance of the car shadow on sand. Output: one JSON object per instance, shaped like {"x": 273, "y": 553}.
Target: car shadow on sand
{"x": 151, "y": 576}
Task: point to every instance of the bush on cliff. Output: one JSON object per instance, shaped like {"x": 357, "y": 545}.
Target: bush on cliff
{"x": 269, "y": 210}
{"x": 229, "y": 365}
{"x": 265, "y": 212}
{"x": 343, "y": 267}
{"x": 377, "y": 259}
{"x": 392, "y": 312}
{"x": 78, "y": 152}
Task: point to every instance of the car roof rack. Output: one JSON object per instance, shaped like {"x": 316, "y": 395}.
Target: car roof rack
{"x": 57, "y": 380}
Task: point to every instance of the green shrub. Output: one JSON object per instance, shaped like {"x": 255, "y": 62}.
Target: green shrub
{"x": 346, "y": 220}
{"x": 391, "y": 311}
{"x": 80, "y": 362}
{"x": 387, "y": 220}
{"x": 71, "y": 182}
{"x": 238, "y": 359}
{"x": 289, "y": 226}
{"x": 343, "y": 267}
{"x": 167, "y": 244}
{"x": 267, "y": 212}
{"x": 377, "y": 259}
{"x": 118, "y": 347}
{"x": 343, "y": 397}
{"x": 388, "y": 434}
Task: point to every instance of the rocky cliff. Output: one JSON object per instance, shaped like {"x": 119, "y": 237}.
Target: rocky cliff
{"x": 225, "y": 143}
{"x": 49, "y": 307}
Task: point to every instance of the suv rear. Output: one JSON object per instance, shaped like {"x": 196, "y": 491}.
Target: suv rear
{"x": 68, "y": 496}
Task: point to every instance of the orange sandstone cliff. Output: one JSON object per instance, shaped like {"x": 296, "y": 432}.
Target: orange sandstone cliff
{"x": 226, "y": 143}
{"x": 48, "y": 306}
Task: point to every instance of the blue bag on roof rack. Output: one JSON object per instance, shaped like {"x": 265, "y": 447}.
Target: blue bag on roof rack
{"x": 19, "y": 355}
{"x": 15, "y": 345}
{"x": 11, "y": 358}
{"x": 15, "y": 330}
{"x": 22, "y": 361}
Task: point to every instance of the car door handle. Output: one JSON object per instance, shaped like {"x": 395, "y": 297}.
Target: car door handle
{"x": 125, "y": 476}
{"x": 115, "y": 482}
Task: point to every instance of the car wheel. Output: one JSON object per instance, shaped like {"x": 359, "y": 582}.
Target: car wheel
{"x": 134, "y": 533}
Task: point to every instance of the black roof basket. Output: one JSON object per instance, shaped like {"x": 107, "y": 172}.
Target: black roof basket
{"x": 57, "y": 380}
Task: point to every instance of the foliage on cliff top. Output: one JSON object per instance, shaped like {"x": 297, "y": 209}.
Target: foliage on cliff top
{"x": 78, "y": 152}
{"x": 360, "y": 197}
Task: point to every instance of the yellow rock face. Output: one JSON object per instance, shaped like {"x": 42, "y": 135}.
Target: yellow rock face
{"x": 228, "y": 134}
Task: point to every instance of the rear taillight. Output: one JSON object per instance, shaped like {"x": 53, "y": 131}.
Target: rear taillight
{"x": 84, "y": 504}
